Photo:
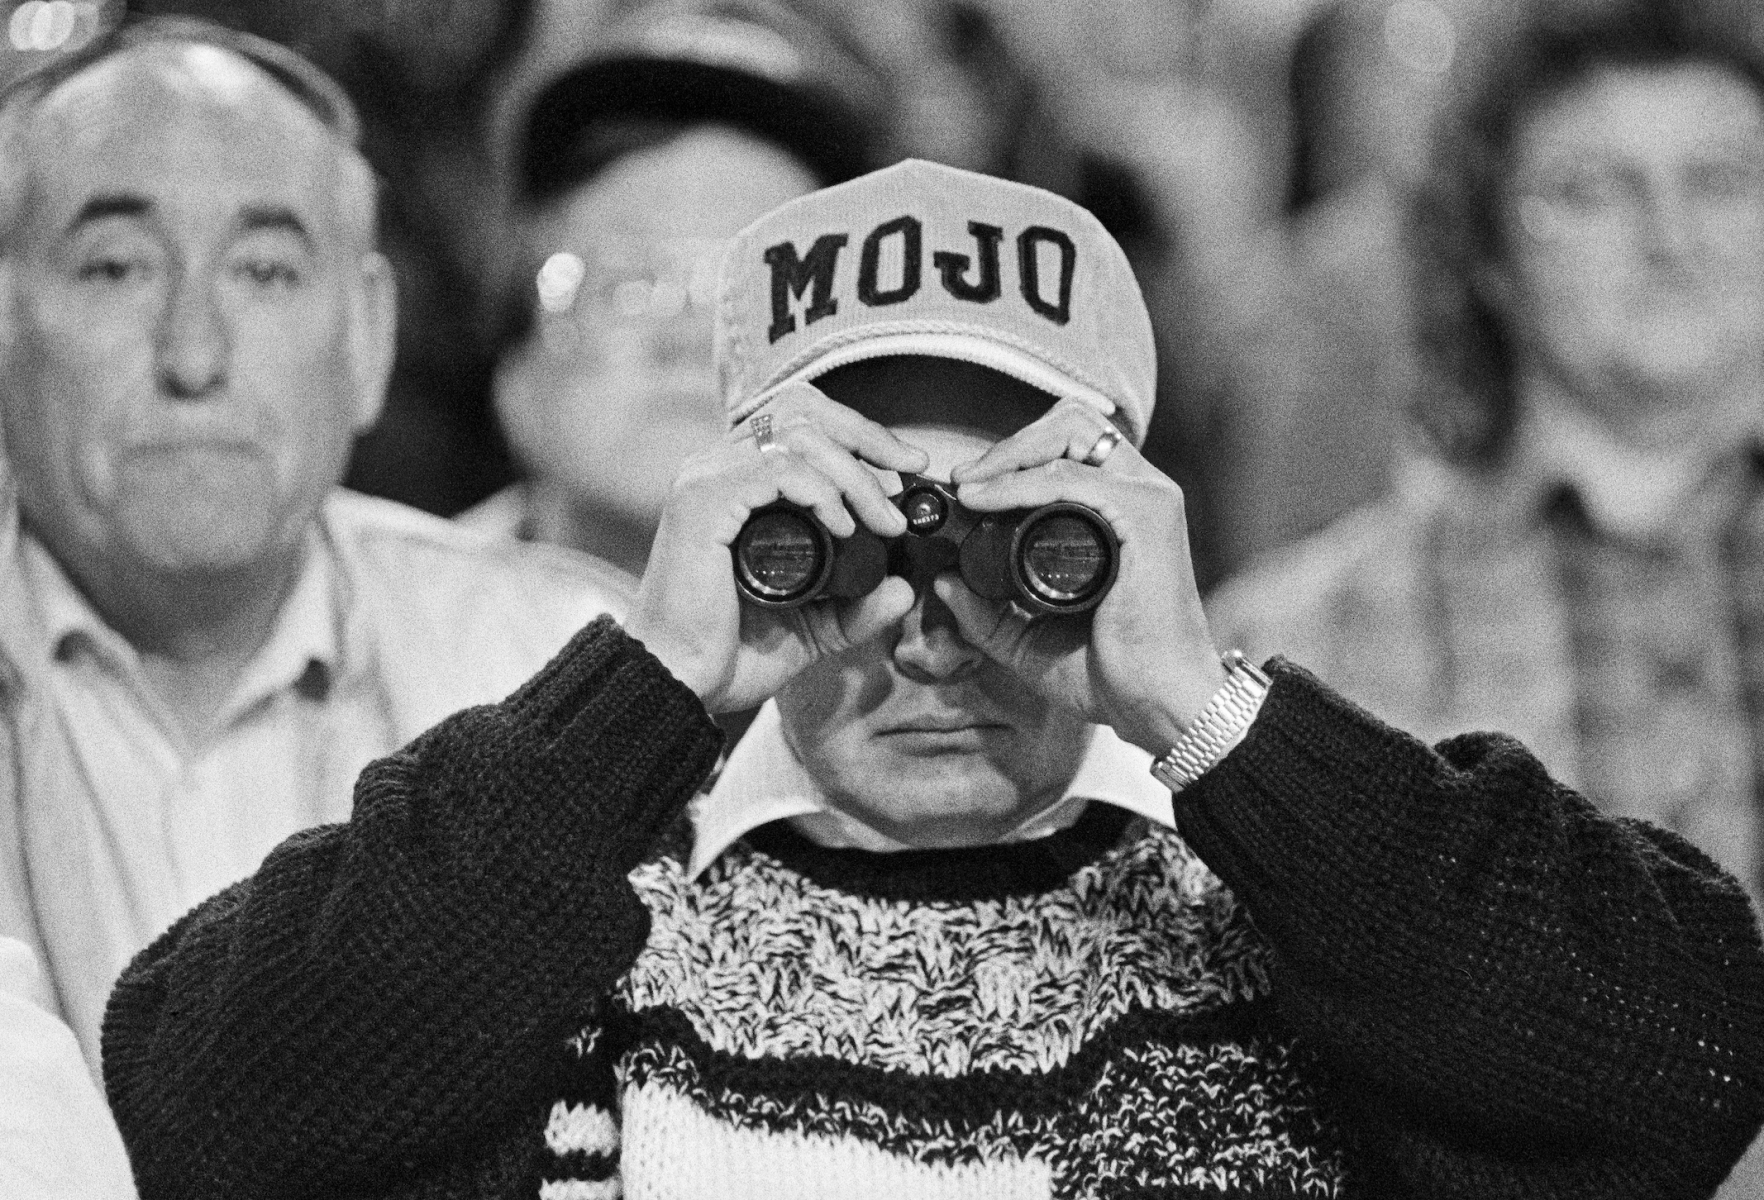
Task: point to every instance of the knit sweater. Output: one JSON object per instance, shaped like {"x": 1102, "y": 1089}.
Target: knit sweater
{"x": 1366, "y": 968}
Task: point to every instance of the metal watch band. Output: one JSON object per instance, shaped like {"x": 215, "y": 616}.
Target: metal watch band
{"x": 1225, "y": 717}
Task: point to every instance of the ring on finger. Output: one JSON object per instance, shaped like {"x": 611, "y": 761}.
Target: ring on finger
{"x": 761, "y": 424}
{"x": 1105, "y": 446}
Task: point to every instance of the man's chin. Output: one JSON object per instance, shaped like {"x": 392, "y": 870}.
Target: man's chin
{"x": 201, "y": 512}
{"x": 206, "y": 548}
{"x": 207, "y": 536}
{"x": 936, "y": 803}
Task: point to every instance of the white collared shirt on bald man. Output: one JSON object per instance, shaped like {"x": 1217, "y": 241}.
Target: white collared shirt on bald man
{"x": 113, "y": 824}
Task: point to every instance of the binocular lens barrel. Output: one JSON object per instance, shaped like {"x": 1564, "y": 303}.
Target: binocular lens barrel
{"x": 780, "y": 556}
{"x": 1063, "y": 559}
{"x": 1056, "y": 559}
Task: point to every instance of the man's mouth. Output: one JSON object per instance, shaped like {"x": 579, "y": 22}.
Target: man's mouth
{"x": 951, "y": 726}
{"x": 217, "y": 446}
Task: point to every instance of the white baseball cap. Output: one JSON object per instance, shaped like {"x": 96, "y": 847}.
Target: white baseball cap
{"x": 924, "y": 259}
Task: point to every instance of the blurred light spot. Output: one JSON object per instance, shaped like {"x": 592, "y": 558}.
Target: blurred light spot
{"x": 558, "y": 280}
{"x": 1420, "y": 35}
{"x": 43, "y": 25}
{"x": 19, "y": 28}
{"x": 221, "y": 71}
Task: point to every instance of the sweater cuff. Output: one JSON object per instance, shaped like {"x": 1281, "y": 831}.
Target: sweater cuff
{"x": 1307, "y": 740}
{"x": 1308, "y": 793}
{"x": 605, "y": 701}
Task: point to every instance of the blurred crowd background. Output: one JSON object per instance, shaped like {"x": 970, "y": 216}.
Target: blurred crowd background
{"x": 1559, "y": 294}
{"x": 1253, "y": 155}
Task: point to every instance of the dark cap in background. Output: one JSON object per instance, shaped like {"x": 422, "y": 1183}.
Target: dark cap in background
{"x": 752, "y": 64}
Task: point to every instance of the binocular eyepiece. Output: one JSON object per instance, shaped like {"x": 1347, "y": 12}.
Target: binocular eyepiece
{"x": 1057, "y": 559}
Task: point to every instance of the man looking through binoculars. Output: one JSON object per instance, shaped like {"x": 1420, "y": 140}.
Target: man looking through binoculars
{"x": 933, "y": 932}
{"x": 915, "y": 731}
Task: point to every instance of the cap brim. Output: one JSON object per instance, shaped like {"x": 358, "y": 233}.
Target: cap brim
{"x": 807, "y": 119}
{"x": 963, "y": 347}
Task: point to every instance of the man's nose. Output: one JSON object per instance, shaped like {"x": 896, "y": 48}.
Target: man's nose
{"x": 194, "y": 341}
{"x": 929, "y": 648}
{"x": 1671, "y": 228}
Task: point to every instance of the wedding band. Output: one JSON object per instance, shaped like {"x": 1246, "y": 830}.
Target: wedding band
{"x": 1105, "y": 446}
{"x": 761, "y": 424}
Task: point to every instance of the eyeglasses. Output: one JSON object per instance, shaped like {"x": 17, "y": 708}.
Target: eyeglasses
{"x": 1595, "y": 195}
{"x": 631, "y": 281}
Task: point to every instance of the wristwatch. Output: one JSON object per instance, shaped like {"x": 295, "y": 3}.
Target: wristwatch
{"x": 1220, "y": 725}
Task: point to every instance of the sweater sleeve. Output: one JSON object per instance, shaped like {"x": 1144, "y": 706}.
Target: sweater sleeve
{"x": 1508, "y": 993}
{"x": 383, "y": 999}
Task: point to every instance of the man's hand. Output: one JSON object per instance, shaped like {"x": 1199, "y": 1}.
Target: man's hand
{"x": 687, "y": 612}
{"x": 1144, "y": 661}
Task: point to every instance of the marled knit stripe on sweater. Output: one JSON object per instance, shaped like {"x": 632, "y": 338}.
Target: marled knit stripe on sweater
{"x": 789, "y": 1032}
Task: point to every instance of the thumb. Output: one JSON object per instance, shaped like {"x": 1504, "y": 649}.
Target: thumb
{"x": 860, "y": 620}
{"x": 993, "y": 629}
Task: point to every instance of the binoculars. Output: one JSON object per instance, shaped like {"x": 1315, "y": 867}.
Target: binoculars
{"x": 1057, "y": 559}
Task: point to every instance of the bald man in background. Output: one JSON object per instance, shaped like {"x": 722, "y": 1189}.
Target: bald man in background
{"x": 202, "y": 637}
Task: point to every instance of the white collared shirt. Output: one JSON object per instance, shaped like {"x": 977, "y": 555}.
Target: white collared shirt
{"x": 164, "y": 822}
{"x": 763, "y": 781}
{"x": 1634, "y": 493}
{"x": 57, "y": 1139}
{"x": 112, "y": 823}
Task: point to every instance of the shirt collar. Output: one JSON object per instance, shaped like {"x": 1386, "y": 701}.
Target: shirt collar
{"x": 1627, "y": 492}
{"x": 306, "y": 631}
{"x": 763, "y": 781}
{"x": 65, "y": 613}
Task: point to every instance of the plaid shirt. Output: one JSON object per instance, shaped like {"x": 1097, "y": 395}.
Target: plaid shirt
{"x": 1631, "y": 662}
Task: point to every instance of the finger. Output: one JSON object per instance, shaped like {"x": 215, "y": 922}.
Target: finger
{"x": 856, "y": 622}
{"x": 1031, "y": 650}
{"x": 993, "y": 628}
{"x": 1071, "y": 429}
{"x": 803, "y": 403}
{"x": 1061, "y": 479}
{"x": 784, "y": 474}
{"x": 863, "y": 490}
